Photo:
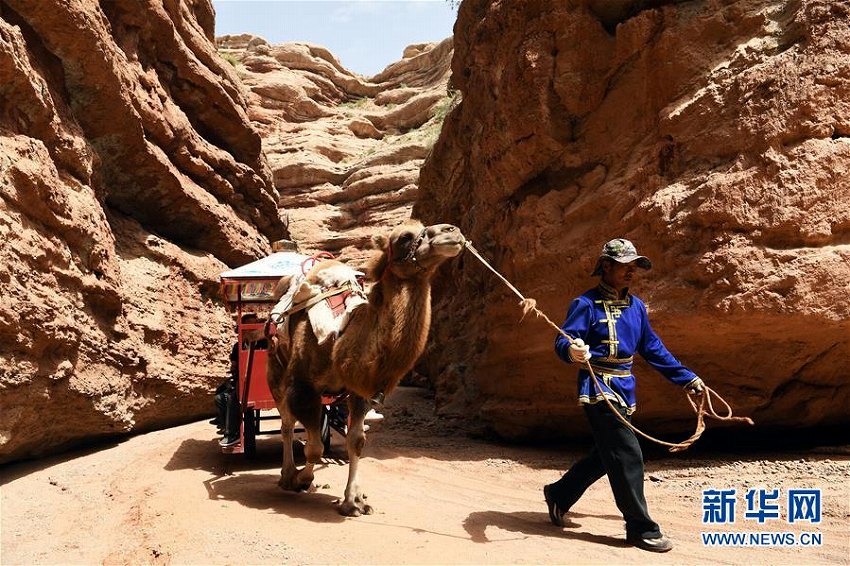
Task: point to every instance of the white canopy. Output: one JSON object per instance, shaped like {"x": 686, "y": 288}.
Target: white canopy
{"x": 274, "y": 266}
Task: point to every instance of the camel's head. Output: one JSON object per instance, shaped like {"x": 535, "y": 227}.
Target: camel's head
{"x": 413, "y": 249}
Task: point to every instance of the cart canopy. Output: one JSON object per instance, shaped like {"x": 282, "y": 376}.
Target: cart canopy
{"x": 255, "y": 281}
{"x": 269, "y": 267}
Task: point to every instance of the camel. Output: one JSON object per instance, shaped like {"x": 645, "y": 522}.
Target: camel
{"x": 383, "y": 339}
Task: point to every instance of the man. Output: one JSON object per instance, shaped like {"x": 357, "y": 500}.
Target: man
{"x": 229, "y": 419}
{"x": 608, "y": 326}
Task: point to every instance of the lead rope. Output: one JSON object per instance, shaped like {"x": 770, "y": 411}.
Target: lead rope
{"x": 529, "y": 305}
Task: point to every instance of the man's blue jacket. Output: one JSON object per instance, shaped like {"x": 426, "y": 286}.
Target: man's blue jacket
{"x": 615, "y": 329}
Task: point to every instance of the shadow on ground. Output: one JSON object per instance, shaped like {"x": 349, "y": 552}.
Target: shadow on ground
{"x": 531, "y": 524}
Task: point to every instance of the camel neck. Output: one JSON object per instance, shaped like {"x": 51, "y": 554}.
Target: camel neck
{"x": 403, "y": 292}
{"x": 406, "y": 303}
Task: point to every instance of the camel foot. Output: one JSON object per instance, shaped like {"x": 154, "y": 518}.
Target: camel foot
{"x": 298, "y": 481}
{"x": 296, "y": 487}
{"x": 353, "y": 510}
{"x": 356, "y": 507}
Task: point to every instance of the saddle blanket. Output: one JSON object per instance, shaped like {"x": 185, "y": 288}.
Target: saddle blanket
{"x": 330, "y": 292}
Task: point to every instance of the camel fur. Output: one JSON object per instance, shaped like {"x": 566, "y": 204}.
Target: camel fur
{"x": 382, "y": 341}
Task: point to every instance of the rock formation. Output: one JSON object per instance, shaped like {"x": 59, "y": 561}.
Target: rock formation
{"x": 130, "y": 177}
{"x": 140, "y": 157}
{"x": 345, "y": 150}
{"x": 716, "y": 135}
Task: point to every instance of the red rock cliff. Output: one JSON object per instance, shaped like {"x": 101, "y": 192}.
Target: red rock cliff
{"x": 130, "y": 177}
{"x": 715, "y": 135}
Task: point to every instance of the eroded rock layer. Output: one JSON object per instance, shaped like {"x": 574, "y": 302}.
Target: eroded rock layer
{"x": 715, "y": 135}
{"x": 345, "y": 150}
{"x": 130, "y": 177}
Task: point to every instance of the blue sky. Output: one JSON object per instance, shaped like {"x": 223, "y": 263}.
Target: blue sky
{"x": 365, "y": 35}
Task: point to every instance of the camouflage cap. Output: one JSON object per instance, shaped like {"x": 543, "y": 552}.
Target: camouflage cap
{"x": 621, "y": 251}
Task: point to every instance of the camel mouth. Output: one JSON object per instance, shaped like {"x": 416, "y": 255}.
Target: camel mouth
{"x": 449, "y": 245}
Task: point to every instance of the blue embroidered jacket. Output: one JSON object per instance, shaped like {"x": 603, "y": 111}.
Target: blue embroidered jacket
{"x": 615, "y": 329}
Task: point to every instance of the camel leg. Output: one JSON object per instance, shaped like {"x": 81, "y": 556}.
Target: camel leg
{"x": 354, "y": 503}
{"x": 275, "y": 375}
{"x": 313, "y": 451}
{"x": 291, "y": 478}
{"x": 304, "y": 405}
{"x": 288, "y": 471}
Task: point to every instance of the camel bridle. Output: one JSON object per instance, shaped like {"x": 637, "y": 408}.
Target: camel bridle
{"x": 410, "y": 257}
{"x": 414, "y": 245}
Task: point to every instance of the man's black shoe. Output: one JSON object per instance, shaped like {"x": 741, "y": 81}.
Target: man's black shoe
{"x": 556, "y": 515}
{"x": 225, "y": 442}
{"x": 658, "y": 544}
{"x": 214, "y": 421}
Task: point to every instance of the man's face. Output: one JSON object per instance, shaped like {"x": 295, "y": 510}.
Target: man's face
{"x": 619, "y": 275}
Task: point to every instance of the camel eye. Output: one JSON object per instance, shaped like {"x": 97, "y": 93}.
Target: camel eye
{"x": 406, "y": 237}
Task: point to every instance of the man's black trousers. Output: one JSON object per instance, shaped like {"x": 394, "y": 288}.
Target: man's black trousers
{"x": 616, "y": 452}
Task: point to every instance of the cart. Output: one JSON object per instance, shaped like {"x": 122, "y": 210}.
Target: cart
{"x": 249, "y": 295}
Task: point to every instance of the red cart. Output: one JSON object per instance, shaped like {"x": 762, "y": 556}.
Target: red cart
{"x": 249, "y": 294}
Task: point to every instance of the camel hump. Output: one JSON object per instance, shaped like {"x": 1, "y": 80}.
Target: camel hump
{"x": 330, "y": 292}
{"x": 325, "y": 279}
{"x": 330, "y": 274}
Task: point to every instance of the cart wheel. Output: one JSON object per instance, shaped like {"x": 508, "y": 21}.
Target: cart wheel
{"x": 249, "y": 433}
{"x": 338, "y": 417}
{"x": 326, "y": 428}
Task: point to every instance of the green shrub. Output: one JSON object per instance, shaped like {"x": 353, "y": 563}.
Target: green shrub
{"x": 229, "y": 57}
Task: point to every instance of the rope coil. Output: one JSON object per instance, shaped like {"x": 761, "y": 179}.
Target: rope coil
{"x": 704, "y": 399}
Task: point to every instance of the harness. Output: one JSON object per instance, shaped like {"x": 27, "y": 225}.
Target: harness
{"x": 411, "y": 254}
{"x": 338, "y": 294}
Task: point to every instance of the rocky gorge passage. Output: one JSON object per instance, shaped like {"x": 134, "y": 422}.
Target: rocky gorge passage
{"x": 140, "y": 157}
{"x": 170, "y": 497}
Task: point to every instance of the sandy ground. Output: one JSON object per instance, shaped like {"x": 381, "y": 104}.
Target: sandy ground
{"x": 171, "y": 497}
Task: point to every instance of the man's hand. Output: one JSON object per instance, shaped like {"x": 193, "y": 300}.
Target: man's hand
{"x": 579, "y": 351}
{"x": 696, "y": 387}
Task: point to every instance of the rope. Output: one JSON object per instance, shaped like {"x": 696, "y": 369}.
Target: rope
{"x": 315, "y": 259}
{"x": 530, "y": 305}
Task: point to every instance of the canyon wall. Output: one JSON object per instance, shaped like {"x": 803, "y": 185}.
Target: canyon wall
{"x": 130, "y": 177}
{"x": 715, "y": 135}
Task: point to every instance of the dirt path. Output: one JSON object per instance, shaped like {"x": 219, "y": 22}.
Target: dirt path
{"x": 170, "y": 497}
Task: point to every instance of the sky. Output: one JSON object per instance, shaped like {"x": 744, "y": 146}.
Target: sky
{"x": 364, "y": 35}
